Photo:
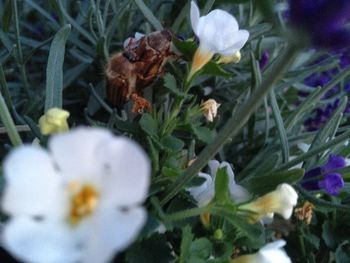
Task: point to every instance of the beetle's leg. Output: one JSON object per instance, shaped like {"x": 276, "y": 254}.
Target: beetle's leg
{"x": 140, "y": 103}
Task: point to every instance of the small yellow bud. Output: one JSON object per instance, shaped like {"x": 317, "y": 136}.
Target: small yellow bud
{"x": 235, "y": 58}
{"x": 210, "y": 109}
{"x": 205, "y": 219}
{"x": 54, "y": 121}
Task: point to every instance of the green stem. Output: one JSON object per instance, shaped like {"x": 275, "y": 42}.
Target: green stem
{"x": 301, "y": 242}
{"x": 186, "y": 214}
{"x": 20, "y": 63}
{"x": 8, "y": 123}
{"x": 235, "y": 123}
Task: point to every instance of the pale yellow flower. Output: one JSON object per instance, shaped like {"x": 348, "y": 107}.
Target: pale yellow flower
{"x": 54, "y": 121}
{"x": 280, "y": 201}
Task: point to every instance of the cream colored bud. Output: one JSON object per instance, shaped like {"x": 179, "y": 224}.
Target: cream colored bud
{"x": 210, "y": 109}
{"x": 280, "y": 201}
{"x": 235, "y": 58}
{"x": 54, "y": 121}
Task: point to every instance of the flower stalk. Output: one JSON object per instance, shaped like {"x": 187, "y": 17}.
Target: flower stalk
{"x": 8, "y": 122}
{"x": 236, "y": 122}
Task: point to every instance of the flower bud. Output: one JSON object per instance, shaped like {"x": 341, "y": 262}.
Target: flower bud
{"x": 280, "y": 201}
{"x": 235, "y": 58}
{"x": 54, "y": 121}
{"x": 210, "y": 109}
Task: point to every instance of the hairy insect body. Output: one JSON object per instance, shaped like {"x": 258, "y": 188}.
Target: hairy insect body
{"x": 130, "y": 71}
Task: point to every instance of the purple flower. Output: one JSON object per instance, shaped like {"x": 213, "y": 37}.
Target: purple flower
{"x": 323, "y": 20}
{"x": 264, "y": 60}
{"x": 323, "y": 177}
{"x": 334, "y": 162}
{"x": 332, "y": 183}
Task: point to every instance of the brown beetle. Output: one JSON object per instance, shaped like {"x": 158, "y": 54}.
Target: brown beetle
{"x": 130, "y": 71}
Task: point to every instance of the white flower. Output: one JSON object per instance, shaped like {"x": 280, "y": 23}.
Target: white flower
{"x": 78, "y": 201}
{"x": 280, "y": 201}
{"x": 204, "y": 193}
{"x": 218, "y": 33}
{"x": 270, "y": 253}
{"x": 210, "y": 109}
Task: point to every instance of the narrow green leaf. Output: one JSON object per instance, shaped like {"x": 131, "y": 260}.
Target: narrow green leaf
{"x": 149, "y": 15}
{"x": 54, "y": 70}
{"x": 328, "y": 131}
{"x": 186, "y": 242}
{"x": 222, "y": 191}
{"x": 170, "y": 84}
{"x": 280, "y": 126}
{"x": 263, "y": 184}
{"x": 7, "y": 16}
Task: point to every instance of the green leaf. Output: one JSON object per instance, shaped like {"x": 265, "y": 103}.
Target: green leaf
{"x": 280, "y": 126}
{"x": 187, "y": 47}
{"x": 186, "y": 242}
{"x": 201, "y": 248}
{"x": 150, "y": 250}
{"x": 54, "y": 70}
{"x": 222, "y": 191}
{"x": 204, "y": 134}
{"x": 149, "y": 15}
{"x": 148, "y": 124}
{"x": 313, "y": 240}
{"x": 172, "y": 143}
{"x": 170, "y": 84}
{"x": 266, "y": 183}
{"x": 214, "y": 69}
{"x": 6, "y": 16}
{"x": 327, "y": 132}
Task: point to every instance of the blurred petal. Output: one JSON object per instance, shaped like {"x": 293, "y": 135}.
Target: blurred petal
{"x": 32, "y": 184}
{"x": 194, "y": 16}
{"x": 241, "y": 37}
{"x": 126, "y": 175}
{"x": 40, "y": 241}
{"x": 204, "y": 193}
{"x": 75, "y": 152}
{"x": 112, "y": 231}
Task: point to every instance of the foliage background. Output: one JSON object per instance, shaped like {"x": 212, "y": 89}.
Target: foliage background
{"x": 87, "y": 32}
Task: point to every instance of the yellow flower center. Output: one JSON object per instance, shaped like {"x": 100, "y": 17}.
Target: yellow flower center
{"x": 83, "y": 203}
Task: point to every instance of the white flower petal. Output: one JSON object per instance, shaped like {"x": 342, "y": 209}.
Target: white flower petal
{"x": 194, "y": 13}
{"x": 238, "y": 193}
{"x": 125, "y": 180}
{"x": 217, "y": 30}
{"x": 75, "y": 152}
{"x": 240, "y": 37}
{"x": 213, "y": 167}
{"x": 32, "y": 184}
{"x": 112, "y": 231}
{"x": 40, "y": 241}
{"x": 273, "y": 253}
{"x": 204, "y": 193}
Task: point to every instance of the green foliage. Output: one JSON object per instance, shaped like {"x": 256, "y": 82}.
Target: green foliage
{"x": 54, "y": 55}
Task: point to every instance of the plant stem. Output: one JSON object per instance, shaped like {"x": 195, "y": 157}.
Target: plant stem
{"x": 186, "y": 214}
{"x": 8, "y": 123}
{"x": 235, "y": 123}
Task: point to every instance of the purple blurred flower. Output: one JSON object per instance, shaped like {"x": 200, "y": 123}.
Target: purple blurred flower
{"x": 264, "y": 60}
{"x": 334, "y": 162}
{"x": 323, "y": 20}
{"x": 331, "y": 182}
